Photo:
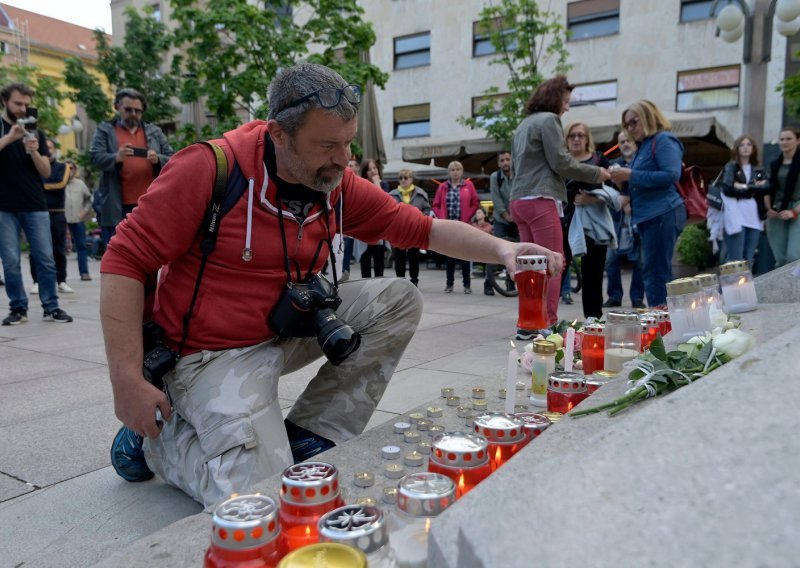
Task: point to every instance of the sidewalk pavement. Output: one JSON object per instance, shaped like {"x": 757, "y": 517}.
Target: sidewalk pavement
{"x": 62, "y": 505}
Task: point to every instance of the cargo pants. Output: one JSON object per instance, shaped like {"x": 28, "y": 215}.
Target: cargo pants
{"x": 227, "y": 430}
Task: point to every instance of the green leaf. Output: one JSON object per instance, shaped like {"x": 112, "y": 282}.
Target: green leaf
{"x": 658, "y": 350}
{"x": 677, "y": 359}
{"x": 705, "y": 353}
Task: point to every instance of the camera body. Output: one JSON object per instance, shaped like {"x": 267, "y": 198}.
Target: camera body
{"x": 308, "y": 309}
{"x": 159, "y": 359}
{"x": 139, "y": 152}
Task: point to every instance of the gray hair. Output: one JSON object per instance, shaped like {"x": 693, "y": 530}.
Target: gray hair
{"x": 296, "y": 82}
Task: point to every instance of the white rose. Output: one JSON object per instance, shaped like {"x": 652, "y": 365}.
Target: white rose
{"x": 718, "y": 317}
{"x": 734, "y": 343}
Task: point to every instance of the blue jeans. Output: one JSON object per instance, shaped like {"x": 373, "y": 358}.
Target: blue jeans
{"x": 348, "y": 254}
{"x": 614, "y": 274}
{"x": 36, "y": 225}
{"x": 741, "y": 245}
{"x": 658, "y": 237}
{"x": 78, "y": 231}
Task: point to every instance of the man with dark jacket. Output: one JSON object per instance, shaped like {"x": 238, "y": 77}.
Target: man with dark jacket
{"x": 130, "y": 154}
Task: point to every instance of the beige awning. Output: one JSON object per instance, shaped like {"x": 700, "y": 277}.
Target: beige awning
{"x": 477, "y": 155}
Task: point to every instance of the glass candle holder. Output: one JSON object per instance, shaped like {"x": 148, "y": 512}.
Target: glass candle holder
{"x": 565, "y": 391}
{"x": 597, "y": 379}
{"x": 664, "y": 325}
{"x": 688, "y": 311}
{"x": 327, "y": 554}
{"x": 623, "y": 339}
{"x": 532, "y": 282}
{"x": 245, "y": 531}
{"x": 420, "y": 497}
{"x": 650, "y": 331}
{"x": 738, "y": 288}
{"x": 544, "y": 363}
{"x": 535, "y": 423}
{"x": 710, "y": 285}
{"x": 360, "y": 526}
{"x": 463, "y": 457}
{"x": 504, "y": 432}
{"x": 592, "y": 347}
{"x": 308, "y": 491}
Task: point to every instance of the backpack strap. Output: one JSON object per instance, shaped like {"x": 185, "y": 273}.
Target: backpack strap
{"x": 210, "y": 230}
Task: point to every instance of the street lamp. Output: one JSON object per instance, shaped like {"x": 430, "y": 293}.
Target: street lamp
{"x": 735, "y": 20}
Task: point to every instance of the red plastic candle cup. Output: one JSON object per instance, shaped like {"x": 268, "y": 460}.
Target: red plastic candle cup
{"x": 245, "y": 532}
{"x": 565, "y": 391}
{"x": 505, "y": 434}
{"x": 308, "y": 491}
{"x": 532, "y": 281}
{"x": 664, "y": 325}
{"x": 593, "y": 347}
{"x": 461, "y": 456}
{"x": 650, "y": 330}
{"x": 535, "y": 423}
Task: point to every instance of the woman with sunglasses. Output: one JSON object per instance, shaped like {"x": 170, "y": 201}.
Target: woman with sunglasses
{"x": 408, "y": 193}
{"x": 656, "y": 206}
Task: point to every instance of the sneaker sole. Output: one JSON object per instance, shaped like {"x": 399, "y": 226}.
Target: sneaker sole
{"x": 54, "y": 320}
{"x": 23, "y": 320}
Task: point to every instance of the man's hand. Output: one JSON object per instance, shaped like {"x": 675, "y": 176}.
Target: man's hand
{"x": 152, "y": 156}
{"x": 507, "y": 217}
{"x": 15, "y": 133}
{"x": 135, "y": 403}
{"x": 31, "y": 145}
{"x": 124, "y": 153}
{"x": 605, "y": 175}
{"x": 555, "y": 260}
{"x": 619, "y": 175}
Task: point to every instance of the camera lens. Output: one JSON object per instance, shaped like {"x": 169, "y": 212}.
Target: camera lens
{"x": 337, "y": 339}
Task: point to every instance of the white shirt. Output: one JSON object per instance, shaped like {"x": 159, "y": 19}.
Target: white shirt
{"x": 741, "y": 213}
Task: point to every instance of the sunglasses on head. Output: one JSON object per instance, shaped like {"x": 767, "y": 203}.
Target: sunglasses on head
{"x": 330, "y": 97}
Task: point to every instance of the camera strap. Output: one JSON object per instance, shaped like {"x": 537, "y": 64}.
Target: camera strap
{"x": 210, "y": 226}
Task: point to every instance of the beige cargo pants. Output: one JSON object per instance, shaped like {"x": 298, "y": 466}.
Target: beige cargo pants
{"x": 227, "y": 430}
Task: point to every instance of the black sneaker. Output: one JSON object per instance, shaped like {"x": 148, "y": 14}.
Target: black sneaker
{"x": 58, "y": 315}
{"x": 567, "y": 299}
{"x": 16, "y": 317}
{"x": 526, "y": 334}
{"x": 488, "y": 290}
{"x": 304, "y": 443}
{"x": 612, "y": 303}
{"x": 639, "y": 304}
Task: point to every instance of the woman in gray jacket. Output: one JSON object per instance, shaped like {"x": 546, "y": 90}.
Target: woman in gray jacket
{"x": 541, "y": 162}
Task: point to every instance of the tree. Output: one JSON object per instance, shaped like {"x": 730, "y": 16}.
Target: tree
{"x": 233, "y": 49}
{"x": 791, "y": 92}
{"x": 138, "y": 64}
{"x": 525, "y": 38}
{"x": 47, "y": 99}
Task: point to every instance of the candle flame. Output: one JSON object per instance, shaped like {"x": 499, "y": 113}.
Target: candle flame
{"x": 497, "y": 457}
{"x": 694, "y": 304}
{"x": 234, "y": 495}
{"x": 569, "y": 406}
{"x": 460, "y": 486}
{"x": 513, "y": 346}
{"x": 573, "y": 322}
{"x": 427, "y": 525}
{"x": 742, "y": 280}
{"x": 308, "y": 531}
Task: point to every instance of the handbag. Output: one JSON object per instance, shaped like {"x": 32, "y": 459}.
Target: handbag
{"x": 714, "y": 195}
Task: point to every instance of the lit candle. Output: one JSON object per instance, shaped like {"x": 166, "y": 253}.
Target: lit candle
{"x": 410, "y": 545}
{"x": 569, "y": 348}
{"x": 299, "y": 536}
{"x": 511, "y": 378}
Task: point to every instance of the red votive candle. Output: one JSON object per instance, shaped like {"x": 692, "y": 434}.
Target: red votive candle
{"x": 245, "y": 532}
{"x": 664, "y": 325}
{"x": 535, "y": 423}
{"x": 532, "y": 281}
{"x": 461, "y": 456}
{"x": 308, "y": 491}
{"x": 650, "y": 330}
{"x": 565, "y": 391}
{"x": 505, "y": 434}
{"x": 593, "y": 347}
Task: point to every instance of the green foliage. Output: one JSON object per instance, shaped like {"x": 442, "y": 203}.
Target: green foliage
{"x": 233, "y": 49}
{"x": 47, "y": 97}
{"x": 694, "y": 248}
{"x": 139, "y": 64}
{"x": 791, "y": 93}
{"x": 526, "y": 37}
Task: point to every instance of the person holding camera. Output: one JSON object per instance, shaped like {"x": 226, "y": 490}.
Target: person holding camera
{"x": 262, "y": 308}
{"x": 24, "y": 161}
{"x": 129, "y": 153}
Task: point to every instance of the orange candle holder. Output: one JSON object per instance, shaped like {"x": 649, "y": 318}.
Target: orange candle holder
{"x": 245, "y": 531}
{"x": 532, "y": 282}
{"x": 461, "y": 456}
{"x": 308, "y": 491}
{"x": 505, "y": 434}
{"x": 593, "y": 347}
{"x": 565, "y": 391}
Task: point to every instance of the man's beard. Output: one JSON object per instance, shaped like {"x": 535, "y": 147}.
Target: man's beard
{"x": 131, "y": 123}
{"x": 324, "y": 180}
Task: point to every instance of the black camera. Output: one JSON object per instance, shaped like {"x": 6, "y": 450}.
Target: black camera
{"x": 159, "y": 359}
{"x": 308, "y": 309}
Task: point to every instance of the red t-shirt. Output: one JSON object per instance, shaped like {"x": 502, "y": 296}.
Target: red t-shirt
{"x": 136, "y": 173}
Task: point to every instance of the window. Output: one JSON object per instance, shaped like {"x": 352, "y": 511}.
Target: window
{"x": 592, "y": 18}
{"x": 156, "y": 12}
{"x": 488, "y": 107}
{"x": 412, "y": 51}
{"x": 482, "y": 44}
{"x": 704, "y": 89}
{"x": 596, "y": 94}
{"x": 411, "y": 121}
{"x": 693, "y": 10}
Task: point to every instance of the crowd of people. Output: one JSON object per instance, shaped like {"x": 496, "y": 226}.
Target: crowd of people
{"x": 240, "y": 282}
